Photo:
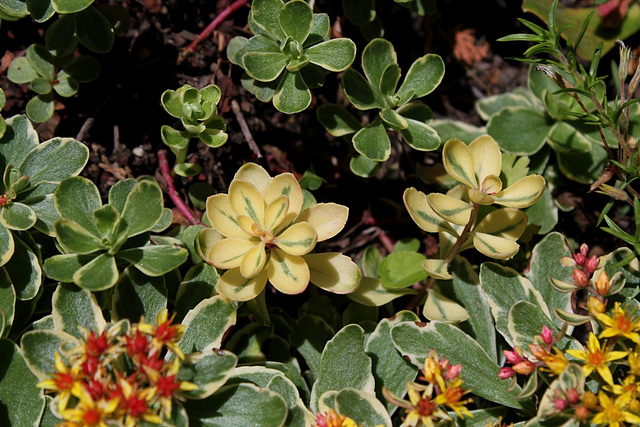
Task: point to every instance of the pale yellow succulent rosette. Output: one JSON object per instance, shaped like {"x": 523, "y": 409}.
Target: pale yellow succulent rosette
{"x": 477, "y": 166}
{"x": 266, "y": 237}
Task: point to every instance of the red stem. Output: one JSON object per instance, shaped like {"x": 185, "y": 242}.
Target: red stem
{"x": 211, "y": 27}
{"x": 171, "y": 189}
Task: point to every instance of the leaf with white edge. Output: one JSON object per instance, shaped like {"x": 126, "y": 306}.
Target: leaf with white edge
{"x": 309, "y": 334}
{"x": 439, "y": 307}
{"x": 209, "y": 371}
{"x": 571, "y": 318}
{"x": 421, "y": 212}
{"x": 360, "y": 92}
{"x": 70, "y": 6}
{"x": 389, "y": 367}
{"x": 479, "y": 373}
{"x": 228, "y": 407}
{"x": 333, "y": 272}
{"x": 545, "y": 264}
{"x": 22, "y": 401}
{"x": 564, "y": 137}
{"x": 465, "y": 290}
{"x": 155, "y": 260}
{"x": 392, "y": 119}
{"x": 363, "y": 167}
{"x": 361, "y": 407}
{"x": 119, "y": 192}
{"x": 372, "y": 293}
{"x": 142, "y": 210}
{"x": 437, "y": 268}
{"x": 98, "y": 274}
{"x": 376, "y": 57}
{"x": 39, "y": 349}
{"x": 520, "y": 130}
{"x": 296, "y": 20}
{"x": 264, "y": 66}
{"x": 522, "y": 193}
{"x": 503, "y": 288}
{"x": 334, "y": 55}
{"x": 75, "y": 308}
{"x": 583, "y": 167}
{"x": 336, "y": 120}
{"x": 137, "y": 295}
{"x": 266, "y": 14}
{"x": 373, "y": 142}
{"x": 487, "y": 107}
{"x": 420, "y": 136}
{"x": 74, "y": 238}
{"x": 343, "y": 364}
{"x": 424, "y": 75}
{"x": 18, "y": 140}
{"x": 199, "y": 283}
{"x": 17, "y": 216}
{"x": 401, "y": 269}
{"x": 63, "y": 267}
{"x": 75, "y": 199}
{"x": 24, "y": 271}
{"x": 450, "y": 209}
{"x": 508, "y": 223}
{"x": 55, "y": 160}
{"x": 494, "y": 246}
{"x": 292, "y": 95}
{"x": 7, "y": 301}
{"x": 328, "y": 219}
{"x": 207, "y": 324}
{"x": 572, "y": 378}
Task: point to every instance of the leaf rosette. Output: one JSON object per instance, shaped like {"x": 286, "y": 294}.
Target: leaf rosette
{"x": 267, "y": 236}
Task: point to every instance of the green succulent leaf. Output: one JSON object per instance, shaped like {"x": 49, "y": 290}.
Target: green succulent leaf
{"x": 319, "y": 30}
{"x": 154, "y": 260}
{"x": 75, "y": 308}
{"x": 99, "y": 274}
{"x": 393, "y": 119}
{"x": 55, "y": 160}
{"x": 94, "y": 30}
{"x": 362, "y": 94}
{"x": 357, "y": 405}
{"x": 584, "y": 168}
{"x": 23, "y": 401}
{"x": 39, "y": 347}
{"x": 296, "y": 20}
{"x": 336, "y": 120}
{"x": 7, "y": 302}
{"x": 62, "y": 267}
{"x": 207, "y": 324}
{"x": 509, "y": 127}
{"x": 334, "y": 55}
{"x": 265, "y": 14}
{"x": 70, "y": 6}
{"x": 24, "y": 271}
{"x": 292, "y": 95}
{"x": 363, "y": 167}
{"x": 17, "y": 216}
{"x": 308, "y": 335}
{"x": 376, "y": 57}
{"x": 40, "y": 108}
{"x": 41, "y": 61}
{"x": 137, "y": 294}
{"x": 208, "y": 371}
{"x": 372, "y": 142}
{"x": 401, "y": 269}
{"x": 60, "y": 37}
{"x": 66, "y": 85}
{"x": 142, "y": 209}
{"x": 424, "y": 75}
{"x": 40, "y": 86}
{"x": 20, "y": 71}
{"x": 83, "y": 69}
{"x": 76, "y": 199}
{"x": 19, "y": 139}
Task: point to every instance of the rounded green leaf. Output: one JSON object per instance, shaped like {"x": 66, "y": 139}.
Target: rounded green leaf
{"x": 207, "y": 324}
{"x": 363, "y": 167}
{"x": 376, "y": 57}
{"x": 296, "y": 20}
{"x": 7, "y": 302}
{"x": 66, "y": 85}
{"x": 208, "y": 371}
{"x": 40, "y": 86}
{"x": 520, "y": 130}
{"x": 60, "y": 37}
{"x": 41, "y": 61}
{"x": 19, "y": 139}
{"x": 94, "y": 30}
{"x": 70, "y": 6}
{"x": 393, "y": 119}
{"x": 292, "y": 95}
{"x": 22, "y": 401}
{"x": 154, "y": 260}
{"x": 265, "y": 14}
{"x": 83, "y": 69}
{"x": 235, "y": 50}
{"x": 16, "y": 216}
{"x": 372, "y": 142}
{"x": 20, "y": 71}
{"x": 336, "y": 120}
{"x": 137, "y": 295}
{"x": 99, "y": 274}
{"x": 359, "y": 12}
{"x": 39, "y": 347}
{"x": 333, "y": 55}
{"x": 24, "y": 271}
{"x": 362, "y": 94}
{"x": 142, "y": 210}
{"x": 424, "y": 75}
{"x": 75, "y": 239}
{"x": 264, "y": 66}
{"x": 40, "y": 108}
{"x": 319, "y": 29}
{"x": 401, "y": 269}
{"x": 584, "y": 168}
{"x": 62, "y": 267}
{"x": 76, "y": 199}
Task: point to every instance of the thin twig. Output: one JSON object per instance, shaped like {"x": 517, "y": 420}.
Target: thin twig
{"x": 210, "y": 28}
{"x": 245, "y": 128}
{"x": 171, "y": 189}
{"x": 84, "y": 130}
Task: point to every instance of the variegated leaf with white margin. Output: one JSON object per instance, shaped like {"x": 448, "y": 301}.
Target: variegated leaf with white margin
{"x": 288, "y": 273}
{"x": 209, "y": 371}
{"x": 450, "y": 209}
{"x": 422, "y": 214}
{"x": 236, "y": 287}
{"x": 458, "y": 162}
{"x": 39, "y": 347}
{"x": 439, "y": 307}
{"x": 494, "y": 246}
{"x": 522, "y": 193}
{"x": 372, "y": 293}
{"x": 136, "y": 295}
{"x": 333, "y": 272}
{"x": 487, "y": 158}
{"x": 503, "y": 288}
{"x": 362, "y": 407}
{"x": 390, "y": 368}
{"x": 222, "y": 216}
{"x": 246, "y": 200}
{"x": 75, "y": 308}
{"x": 328, "y": 219}
{"x": 343, "y": 364}
{"x": 253, "y": 174}
{"x": 207, "y": 324}
{"x": 437, "y": 268}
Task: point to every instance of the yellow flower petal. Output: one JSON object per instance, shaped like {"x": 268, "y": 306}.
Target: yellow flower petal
{"x": 458, "y": 162}
{"x": 222, "y": 216}
{"x": 253, "y": 174}
{"x": 247, "y": 200}
{"x": 288, "y": 273}
{"x": 334, "y": 272}
{"x": 328, "y": 219}
{"x": 253, "y": 261}
{"x": 487, "y": 157}
{"x": 452, "y": 210}
{"x": 238, "y": 288}
{"x": 523, "y": 193}
{"x": 299, "y": 239}
{"x": 228, "y": 253}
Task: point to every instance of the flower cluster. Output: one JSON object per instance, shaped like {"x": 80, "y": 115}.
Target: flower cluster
{"x": 116, "y": 377}
{"x": 331, "y": 418}
{"x": 441, "y": 389}
{"x": 269, "y": 236}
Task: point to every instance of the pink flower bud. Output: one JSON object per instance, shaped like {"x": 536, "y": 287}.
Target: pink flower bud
{"x": 538, "y": 351}
{"x": 547, "y": 335}
{"x": 580, "y": 278}
{"x": 453, "y": 371}
{"x": 584, "y": 249}
{"x": 573, "y": 396}
{"x": 512, "y": 356}
{"x": 560, "y": 404}
{"x": 579, "y": 259}
{"x": 591, "y": 265}
{"x": 505, "y": 373}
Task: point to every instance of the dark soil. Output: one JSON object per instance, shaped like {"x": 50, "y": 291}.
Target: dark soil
{"x": 119, "y": 115}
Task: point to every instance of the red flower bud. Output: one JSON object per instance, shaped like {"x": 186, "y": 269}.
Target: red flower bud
{"x": 547, "y": 335}
{"x": 506, "y": 373}
{"x": 580, "y": 278}
{"x": 591, "y": 264}
{"x": 538, "y": 351}
{"x": 579, "y": 259}
{"x": 524, "y": 368}
{"x": 560, "y": 404}
{"x": 573, "y": 396}
{"x": 512, "y": 356}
